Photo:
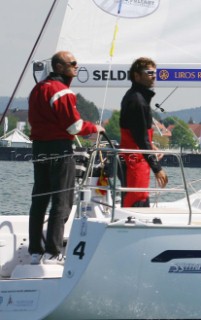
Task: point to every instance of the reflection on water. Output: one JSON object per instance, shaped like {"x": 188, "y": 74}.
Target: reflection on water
{"x": 16, "y": 180}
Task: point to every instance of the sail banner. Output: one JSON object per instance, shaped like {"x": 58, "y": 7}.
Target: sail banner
{"x": 117, "y": 75}
{"x": 179, "y": 74}
{"x": 97, "y": 75}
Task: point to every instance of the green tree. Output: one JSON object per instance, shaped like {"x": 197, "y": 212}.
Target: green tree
{"x": 183, "y": 137}
{"x": 112, "y": 127}
{"x": 27, "y": 129}
{"x": 170, "y": 121}
{"x": 87, "y": 109}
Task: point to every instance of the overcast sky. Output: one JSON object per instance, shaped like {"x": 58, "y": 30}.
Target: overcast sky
{"x": 20, "y": 24}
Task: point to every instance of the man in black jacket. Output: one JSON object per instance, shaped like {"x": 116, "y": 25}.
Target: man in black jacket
{"x": 137, "y": 132}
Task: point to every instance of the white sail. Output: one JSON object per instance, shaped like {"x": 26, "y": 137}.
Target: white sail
{"x": 106, "y": 44}
{"x": 169, "y": 35}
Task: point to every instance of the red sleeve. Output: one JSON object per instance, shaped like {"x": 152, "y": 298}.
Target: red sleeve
{"x": 69, "y": 117}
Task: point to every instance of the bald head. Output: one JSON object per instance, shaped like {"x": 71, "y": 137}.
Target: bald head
{"x": 61, "y": 57}
{"x": 64, "y": 63}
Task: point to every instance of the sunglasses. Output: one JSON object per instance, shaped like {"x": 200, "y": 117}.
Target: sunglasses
{"x": 150, "y": 72}
{"x": 72, "y": 63}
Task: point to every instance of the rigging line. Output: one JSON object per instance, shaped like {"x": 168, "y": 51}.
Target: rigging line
{"x": 105, "y": 94}
{"x": 109, "y": 69}
{"x": 175, "y": 120}
{"x": 178, "y": 123}
{"x": 111, "y": 56}
{"x": 29, "y": 59}
{"x": 158, "y": 105}
{"x": 52, "y": 192}
{"x": 111, "y": 53}
{"x": 157, "y": 127}
{"x": 110, "y": 66}
{"x": 110, "y": 63}
{"x": 185, "y": 129}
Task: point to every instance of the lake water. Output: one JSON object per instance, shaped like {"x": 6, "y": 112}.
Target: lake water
{"x": 16, "y": 181}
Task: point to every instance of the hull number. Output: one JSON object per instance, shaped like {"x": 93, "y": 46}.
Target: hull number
{"x": 79, "y": 249}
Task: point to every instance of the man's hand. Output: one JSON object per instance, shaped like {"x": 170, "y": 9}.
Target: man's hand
{"x": 161, "y": 178}
{"x": 100, "y": 128}
{"x": 159, "y": 156}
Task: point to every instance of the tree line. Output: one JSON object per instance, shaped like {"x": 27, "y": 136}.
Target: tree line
{"x": 182, "y": 137}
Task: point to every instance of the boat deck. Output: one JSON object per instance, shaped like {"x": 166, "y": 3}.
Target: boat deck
{"x": 160, "y": 216}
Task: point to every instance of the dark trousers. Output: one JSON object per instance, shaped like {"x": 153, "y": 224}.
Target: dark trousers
{"x": 54, "y": 181}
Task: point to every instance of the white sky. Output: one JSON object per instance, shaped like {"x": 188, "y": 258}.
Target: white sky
{"x": 20, "y": 24}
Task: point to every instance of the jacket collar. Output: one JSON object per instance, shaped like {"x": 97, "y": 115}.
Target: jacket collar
{"x": 59, "y": 77}
{"x": 148, "y": 92}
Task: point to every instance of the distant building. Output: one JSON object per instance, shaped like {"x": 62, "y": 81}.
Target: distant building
{"x": 194, "y": 127}
{"x": 161, "y": 129}
{"x": 15, "y": 138}
{"x": 21, "y": 115}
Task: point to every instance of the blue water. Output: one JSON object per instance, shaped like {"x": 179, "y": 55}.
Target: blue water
{"x": 16, "y": 181}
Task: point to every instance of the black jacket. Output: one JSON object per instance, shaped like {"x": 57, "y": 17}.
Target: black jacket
{"x": 136, "y": 116}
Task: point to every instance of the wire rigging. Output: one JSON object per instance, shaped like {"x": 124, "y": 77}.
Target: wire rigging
{"x": 111, "y": 54}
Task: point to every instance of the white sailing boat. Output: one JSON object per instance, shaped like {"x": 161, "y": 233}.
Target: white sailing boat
{"x": 121, "y": 263}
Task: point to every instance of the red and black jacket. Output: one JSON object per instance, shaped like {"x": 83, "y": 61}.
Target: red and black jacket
{"x": 136, "y": 123}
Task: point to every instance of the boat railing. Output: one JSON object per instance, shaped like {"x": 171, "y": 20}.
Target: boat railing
{"x": 114, "y": 185}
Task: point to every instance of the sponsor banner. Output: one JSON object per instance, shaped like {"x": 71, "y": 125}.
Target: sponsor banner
{"x": 98, "y": 75}
{"x": 117, "y": 75}
{"x": 167, "y": 74}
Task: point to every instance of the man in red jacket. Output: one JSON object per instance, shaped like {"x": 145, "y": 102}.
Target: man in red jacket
{"x": 54, "y": 121}
{"x": 137, "y": 132}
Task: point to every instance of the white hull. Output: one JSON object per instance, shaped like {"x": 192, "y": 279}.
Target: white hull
{"x": 121, "y": 263}
{"x": 121, "y": 281}
{"x": 34, "y": 291}
{"x": 135, "y": 270}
